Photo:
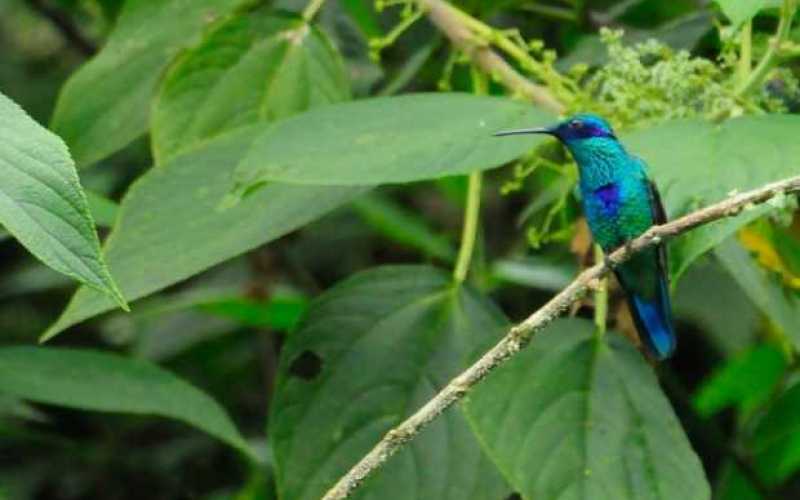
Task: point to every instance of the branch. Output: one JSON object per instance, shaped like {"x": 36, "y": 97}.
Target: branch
{"x": 444, "y": 17}
{"x": 519, "y": 335}
{"x": 63, "y": 23}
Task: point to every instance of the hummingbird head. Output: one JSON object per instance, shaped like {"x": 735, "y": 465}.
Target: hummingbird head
{"x": 573, "y": 131}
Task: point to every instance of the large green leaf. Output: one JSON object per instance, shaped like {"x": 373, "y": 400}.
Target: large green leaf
{"x": 572, "y": 417}
{"x": 696, "y": 163}
{"x": 106, "y": 103}
{"x": 170, "y": 226}
{"x": 371, "y": 351}
{"x": 98, "y": 381}
{"x": 43, "y": 205}
{"x": 255, "y": 67}
{"x": 389, "y": 139}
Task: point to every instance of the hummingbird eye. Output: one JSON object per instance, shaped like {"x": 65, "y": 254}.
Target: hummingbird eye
{"x": 575, "y": 124}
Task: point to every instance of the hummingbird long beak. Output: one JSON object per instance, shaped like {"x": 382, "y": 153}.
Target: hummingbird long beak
{"x": 524, "y": 131}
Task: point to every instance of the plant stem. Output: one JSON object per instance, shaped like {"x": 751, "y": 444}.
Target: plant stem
{"x": 788, "y": 8}
{"x": 554, "y": 12}
{"x": 520, "y": 334}
{"x": 470, "y": 230}
{"x": 745, "y": 54}
{"x": 311, "y": 9}
{"x": 600, "y": 297}
{"x": 461, "y": 29}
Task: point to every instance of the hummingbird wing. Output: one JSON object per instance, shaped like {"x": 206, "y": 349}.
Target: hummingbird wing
{"x": 645, "y": 280}
{"x": 659, "y": 217}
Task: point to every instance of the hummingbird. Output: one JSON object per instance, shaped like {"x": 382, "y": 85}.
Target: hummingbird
{"x": 620, "y": 202}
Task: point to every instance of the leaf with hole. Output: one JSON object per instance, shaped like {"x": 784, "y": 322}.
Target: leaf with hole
{"x": 574, "y": 417}
{"x": 371, "y": 351}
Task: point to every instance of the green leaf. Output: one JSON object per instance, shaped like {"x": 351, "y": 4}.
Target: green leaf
{"x": 740, "y": 11}
{"x": 697, "y": 163}
{"x": 106, "y": 103}
{"x": 362, "y": 13}
{"x": 43, "y": 205}
{"x": 389, "y": 139}
{"x": 403, "y": 226}
{"x": 746, "y": 381}
{"x": 776, "y": 439}
{"x": 733, "y": 484}
{"x": 98, "y": 381}
{"x": 765, "y": 291}
{"x": 572, "y": 417}
{"x": 372, "y": 350}
{"x": 255, "y": 67}
{"x": 170, "y": 226}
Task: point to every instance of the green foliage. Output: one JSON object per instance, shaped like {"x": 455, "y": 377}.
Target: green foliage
{"x": 740, "y": 154}
{"x": 369, "y": 351}
{"x": 42, "y": 203}
{"x": 105, "y": 105}
{"x": 171, "y": 227}
{"x": 270, "y": 66}
{"x": 650, "y": 82}
{"x": 740, "y": 11}
{"x": 573, "y": 416}
{"x": 239, "y": 141}
{"x": 58, "y": 377}
{"x": 428, "y": 136}
{"x": 765, "y": 291}
{"x": 746, "y": 381}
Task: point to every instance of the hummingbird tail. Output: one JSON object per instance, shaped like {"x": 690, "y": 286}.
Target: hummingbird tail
{"x": 653, "y": 321}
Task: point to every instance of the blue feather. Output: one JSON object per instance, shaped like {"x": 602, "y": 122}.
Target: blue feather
{"x": 653, "y": 320}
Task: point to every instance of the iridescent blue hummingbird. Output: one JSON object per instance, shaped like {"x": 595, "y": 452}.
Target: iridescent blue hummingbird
{"x": 620, "y": 202}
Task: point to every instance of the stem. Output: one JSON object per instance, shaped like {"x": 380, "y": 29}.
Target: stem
{"x": 520, "y": 335}
{"x": 766, "y": 63}
{"x": 554, "y": 12}
{"x": 745, "y": 54}
{"x": 600, "y": 297}
{"x": 520, "y": 54}
{"x": 311, "y": 9}
{"x": 470, "y": 230}
{"x": 461, "y": 29}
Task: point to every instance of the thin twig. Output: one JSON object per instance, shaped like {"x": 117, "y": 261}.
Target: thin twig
{"x": 65, "y": 25}
{"x": 519, "y": 335}
{"x": 447, "y": 20}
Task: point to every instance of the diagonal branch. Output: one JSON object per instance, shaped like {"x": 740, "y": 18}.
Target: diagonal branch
{"x": 444, "y": 17}
{"x": 519, "y": 335}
